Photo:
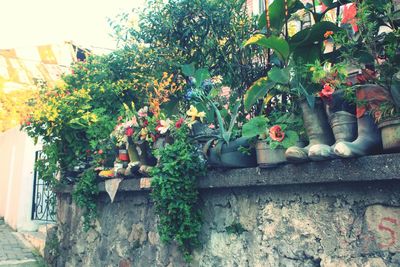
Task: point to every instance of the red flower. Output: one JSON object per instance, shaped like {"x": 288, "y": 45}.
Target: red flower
{"x": 179, "y": 123}
{"x": 276, "y": 133}
{"x": 327, "y": 92}
{"x": 327, "y": 34}
{"x": 129, "y": 131}
{"x": 100, "y": 151}
{"x": 349, "y": 16}
{"x": 158, "y": 126}
{"x": 145, "y": 123}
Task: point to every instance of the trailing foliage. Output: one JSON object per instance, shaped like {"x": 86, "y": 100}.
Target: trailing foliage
{"x": 175, "y": 194}
{"x": 85, "y": 196}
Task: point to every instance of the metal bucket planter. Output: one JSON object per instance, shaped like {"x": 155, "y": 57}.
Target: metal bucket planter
{"x": 229, "y": 155}
{"x": 390, "y": 131}
{"x": 267, "y": 157}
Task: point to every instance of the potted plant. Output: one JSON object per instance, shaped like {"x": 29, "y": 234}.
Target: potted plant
{"x": 274, "y": 137}
{"x": 226, "y": 149}
{"x": 375, "y": 50}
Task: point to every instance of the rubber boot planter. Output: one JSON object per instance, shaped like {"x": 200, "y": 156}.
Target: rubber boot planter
{"x": 369, "y": 137}
{"x": 317, "y": 130}
{"x": 343, "y": 122}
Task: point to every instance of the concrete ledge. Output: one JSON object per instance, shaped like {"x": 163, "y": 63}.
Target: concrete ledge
{"x": 369, "y": 168}
{"x": 363, "y": 169}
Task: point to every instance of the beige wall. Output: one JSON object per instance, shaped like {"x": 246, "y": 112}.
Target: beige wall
{"x": 17, "y": 156}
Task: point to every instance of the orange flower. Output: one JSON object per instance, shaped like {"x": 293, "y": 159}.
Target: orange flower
{"x": 276, "y": 133}
{"x": 328, "y": 33}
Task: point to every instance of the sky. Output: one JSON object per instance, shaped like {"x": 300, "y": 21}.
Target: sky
{"x": 37, "y": 22}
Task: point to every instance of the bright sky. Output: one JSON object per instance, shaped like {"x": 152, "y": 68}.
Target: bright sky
{"x": 35, "y": 22}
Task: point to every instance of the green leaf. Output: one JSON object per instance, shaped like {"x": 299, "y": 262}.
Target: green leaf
{"x": 188, "y": 69}
{"x": 201, "y": 106}
{"x": 234, "y": 115}
{"x": 276, "y": 12}
{"x": 395, "y": 89}
{"x": 254, "y": 127}
{"x": 256, "y": 91}
{"x": 291, "y": 137}
{"x": 327, "y": 2}
{"x": 313, "y": 35}
{"x": 201, "y": 75}
{"x": 279, "y": 45}
{"x": 279, "y": 75}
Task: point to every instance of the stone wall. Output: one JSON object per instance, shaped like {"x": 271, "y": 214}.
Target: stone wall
{"x": 337, "y": 213}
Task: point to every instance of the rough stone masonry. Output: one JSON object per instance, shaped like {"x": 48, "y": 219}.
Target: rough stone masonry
{"x": 329, "y": 214}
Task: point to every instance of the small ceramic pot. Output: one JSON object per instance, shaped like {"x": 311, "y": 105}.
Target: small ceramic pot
{"x": 390, "y": 131}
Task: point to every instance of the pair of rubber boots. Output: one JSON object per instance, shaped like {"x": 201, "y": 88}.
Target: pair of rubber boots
{"x": 335, "y": 131}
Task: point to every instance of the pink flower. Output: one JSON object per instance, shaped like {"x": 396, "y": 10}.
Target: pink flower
{"x": 143, "y": 112}
{"x": 119, "y": 118}
{"x": 179, "y": 123}
{"x": 129, "y": 131}
{"x": 276, "y": 133}
{"x": 100, "y": 151}
{"x": 211, "y": 126}
{"x": 248, "y": 117}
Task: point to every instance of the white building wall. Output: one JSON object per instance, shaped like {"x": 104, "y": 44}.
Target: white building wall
{"x": 17, "y": 158}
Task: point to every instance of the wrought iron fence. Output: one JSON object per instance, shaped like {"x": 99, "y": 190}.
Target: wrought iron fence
{"x": 43, "y": 199}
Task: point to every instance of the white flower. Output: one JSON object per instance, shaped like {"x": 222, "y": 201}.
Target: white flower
{"x": 217, "y": 79}
{"x": 164, "y": 126}
{"x": 143, "y": 112}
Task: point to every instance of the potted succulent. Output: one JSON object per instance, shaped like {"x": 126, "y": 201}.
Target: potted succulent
{"x": 225, "y": 149}
{"x": 274, "y": 136}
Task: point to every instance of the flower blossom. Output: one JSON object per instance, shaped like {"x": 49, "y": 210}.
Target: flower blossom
{"x": 179, "y": 123}
{"x": 129, "y": 131}
{"x": 327, "y": 92}
{"x": 143, "y": 112}
{"x": 163, "y": 126}
{"x": 194, "y": 113}
{"x": 276, "y": 133}
{"x": 327, "y": 34}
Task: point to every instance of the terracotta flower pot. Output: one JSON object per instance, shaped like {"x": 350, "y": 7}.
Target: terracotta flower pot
{"x": 390, "y": 131}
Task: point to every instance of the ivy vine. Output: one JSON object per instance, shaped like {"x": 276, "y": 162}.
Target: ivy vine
{"x": 85, "y": 196}
{"x": 175, "y": 194}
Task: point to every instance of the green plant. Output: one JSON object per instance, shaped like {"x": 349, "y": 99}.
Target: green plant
{"x": 288, "y": 74}
{"x": 375, "y": 49}
{"x": 85, "y": 196}
{"x": 206, "y": 33}
{"x": 280, "y": 131}
{"x": 174, "y": 191}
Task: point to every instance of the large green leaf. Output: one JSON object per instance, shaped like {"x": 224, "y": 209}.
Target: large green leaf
{"x": 291, "y": 137}
{"x": 279, "y": 45}
{"x": 313, "y": 35}
{"x": 308, "y": 54}
{"x": 256, "y": 91}
{"x": 188, "y": 69}
{"x": 254, "y": 127}
{"x": 279, "y": 75}
{"x": 201, "y": 75}
{"x": 276, "y": 12}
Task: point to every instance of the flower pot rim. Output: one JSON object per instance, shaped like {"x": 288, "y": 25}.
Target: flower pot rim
{"x": 389, "y": 121}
